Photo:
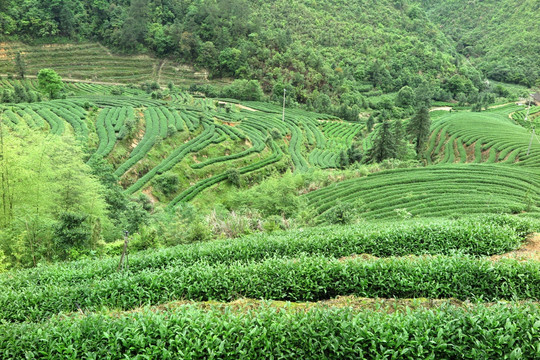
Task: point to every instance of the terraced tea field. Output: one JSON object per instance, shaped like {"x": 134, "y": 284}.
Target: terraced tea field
{"x": 490, "y": 137}
{"x": 92, "y": 62}
{"x": 194, "y": 138}
{"x": 375, "y": 281}
{"x": 435, "y": 191}
{"x": 89, "y": 307}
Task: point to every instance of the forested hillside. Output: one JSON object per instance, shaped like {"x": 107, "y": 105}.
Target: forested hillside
{"x": 501, "y": 37}
{"x": 324, "y": 52}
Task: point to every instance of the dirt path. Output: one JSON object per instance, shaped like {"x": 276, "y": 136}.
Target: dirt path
{"x": 238, "y": 106}
{"x": 441, "y": 108}
{"x": 500, "y": 105}
{"x": 449, "y": 108}
{"x": 529, "y": 251}
{"x": 148, "y": 192}
{"x": 161, "y": 64}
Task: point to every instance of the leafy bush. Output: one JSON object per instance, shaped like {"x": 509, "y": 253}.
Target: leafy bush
{"x": 244, "y": 263}
{"x": 117, "y": 90}
{"x": 167, "y": 183}
{"x": 485, "y": 332}
{"x": 341, "y": 214}
{"x": 302, "y": 278}
{"x": 233, "y": 176}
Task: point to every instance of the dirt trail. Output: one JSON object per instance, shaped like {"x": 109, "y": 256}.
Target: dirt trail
{"x": 500, "y": 105}
{"x": 449, "y": 108}
{"x": 529, "y": 251}
{"x": 148, "y": 192}
{"x": 161, "y": 64}
{"x": 441, "y": 108}
{"x": 238, "y": 106}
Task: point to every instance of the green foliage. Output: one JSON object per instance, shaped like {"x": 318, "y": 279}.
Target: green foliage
{"x": 384, "y": 144}
{"x": 405, "y": 97}
{"x": 50, "y": 82}
{"x": 117, "y": 90}
{"x": 342, "y": 214}
{"x": 400, "y": 141}
{"x": 317, "y": 333}
{"x": 20, "y": 65}
{"x": 19, "y": 94}
{"x": 490, "y": 131}
{"x": 167, "y": 183}
{"x": 495, "y": 35}
{"x": 233, "y": 177}
{"x": 419, "y": 129}
{"x": 272, "y": 197}
{"x": 73, "y": 231}
{"x": 335, "y": 69}
{"x": 43, "y": 177}
{"x": 304, "y": 278}
{"x": 244, "y": 90}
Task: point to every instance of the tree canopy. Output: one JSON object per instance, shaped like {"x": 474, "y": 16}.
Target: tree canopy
{"x": 342, "y": 52}
{"x": 46, "y": 189}
{"x": 50, "y": 82}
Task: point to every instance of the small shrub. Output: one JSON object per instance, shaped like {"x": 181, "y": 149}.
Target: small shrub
{"x": 233, "y": 176}
{"x": 197, "y": 232}
{"x": 167, "y": 183}
{"x": 341, "y": 214}
{"x": 117, "y": 90}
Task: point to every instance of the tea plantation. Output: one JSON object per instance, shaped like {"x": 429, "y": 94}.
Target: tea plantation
{"x": 428, "y": 234}
{"x": 84, "y": 307}
{"x": 128, "y": 129}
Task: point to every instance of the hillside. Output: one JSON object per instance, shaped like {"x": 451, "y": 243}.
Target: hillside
{"x": 502, "y": 38}
{"x": 93, "y": 62}
{"x": 267, "y": 179}
{"x": 168, "y": 148}
{"x": 331, "y": 52}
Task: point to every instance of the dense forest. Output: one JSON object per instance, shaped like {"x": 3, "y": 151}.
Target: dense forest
{"x": 501, "y": 37}
{"x": 332, "y": 56}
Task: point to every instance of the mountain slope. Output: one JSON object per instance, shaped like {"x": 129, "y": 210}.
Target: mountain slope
{"x": 502, "y": 37}
{"x": 324, "y": 52}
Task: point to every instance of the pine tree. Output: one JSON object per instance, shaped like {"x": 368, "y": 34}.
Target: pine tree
{"x": 20, "y": 65}
{"x": 419, "y": 129}
{"x": 343, "y": 159}
{"x": 354, "y": 153}
{"x": 399, "y": 138}
{"x": 370, "y": 123}
{"x": 384, "y": 146}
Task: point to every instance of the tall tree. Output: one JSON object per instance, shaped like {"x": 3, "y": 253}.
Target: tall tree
{"x": 6, "y": 190}
{"x": 384, "y": 145}
{"x": 136, "y": 25}
{"x": 419, "y": 129}
{"x": 20, "y": 65}
{"x": 399, "y": 138}
{"x": 423, "y": 94}
{"x": 405, "y": 97}
{"x": 43, "y": 178}
{"x": 50, "y": 82}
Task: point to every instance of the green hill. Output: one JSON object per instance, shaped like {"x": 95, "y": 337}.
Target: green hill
{"x": 502, "y": 38}
{"x": 161, "y": 202}
{"x": 324, "y": 52}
